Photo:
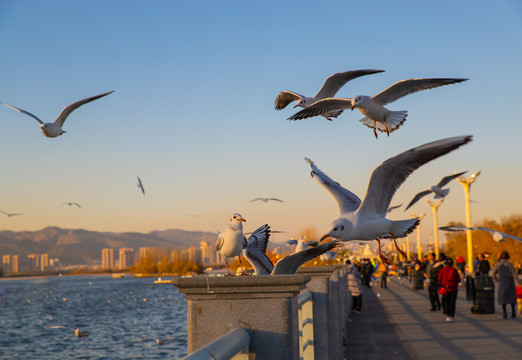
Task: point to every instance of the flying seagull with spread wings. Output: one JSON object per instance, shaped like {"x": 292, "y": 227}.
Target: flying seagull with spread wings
{"x": 266, "y": 199}
{"x": 367, "y": 220}
{"x": 436, "y": 189}
{"x": 376, "y": 115}
{"x": 54, "y": 129}
{"x": 330, "y": 87}
{"x": 497, "y": 235}
{"x": 140, "y": 186}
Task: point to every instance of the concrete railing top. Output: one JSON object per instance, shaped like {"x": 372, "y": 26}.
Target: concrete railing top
{"x": 320, "y": 270}
{"x": 246, "y": 286}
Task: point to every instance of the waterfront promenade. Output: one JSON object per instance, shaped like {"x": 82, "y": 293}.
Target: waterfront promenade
{"x": 396, "y": 323}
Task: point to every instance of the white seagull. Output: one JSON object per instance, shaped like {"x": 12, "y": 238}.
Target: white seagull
{"x": 330, "y": 87}
{"x": 255, "y": 251}
{"x": 77, "y": 332}
{"x": 10, "y": 214}
{"x": 54, "y": 129}
{"x": 376, "y": 115}
{"x": 497, "y": 235}
{"x": 232, "y": 241}
{"x": 302, "y": 244}
{"x": 266, "y": 199}
{"x": 140, "y": 186}
{"x": 436, "y": 189}
{"x": 158, "y": 341}
{"x": 367, "y": 220}
{"x": 71, "y": 204}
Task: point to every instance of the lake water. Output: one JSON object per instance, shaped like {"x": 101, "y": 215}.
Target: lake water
{"x": 114, "y": 313}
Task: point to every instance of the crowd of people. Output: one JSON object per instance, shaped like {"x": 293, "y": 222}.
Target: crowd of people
{"x": 443, "y": 278}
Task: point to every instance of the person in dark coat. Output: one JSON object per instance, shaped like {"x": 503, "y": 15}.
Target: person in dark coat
{"x": 505, "y": 275}
{"x": 483, "y": 265}
{"x": 432, "y": 273}
{"x": 367, "y": 273}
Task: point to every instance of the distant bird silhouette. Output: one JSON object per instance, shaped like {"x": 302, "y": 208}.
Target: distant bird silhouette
{"x": 330, "y": 87}
{"x": 436, "y": 189}
{"x": 77, "y": 332}
{"x": 71, "y": 204}
{"x": 391, "y": 208}
{"x": 266, "y": 199}
{"x": 54, "y": 129}
{"x": 497, "y": 235}
{"x": 140, "y": 185}
{"x": 302, "y": 244}
{"x": 11, "y": 214}
{"x": 158, "y": 341}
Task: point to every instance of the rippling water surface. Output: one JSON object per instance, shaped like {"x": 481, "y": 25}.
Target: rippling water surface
{"x": 114, "y": 313}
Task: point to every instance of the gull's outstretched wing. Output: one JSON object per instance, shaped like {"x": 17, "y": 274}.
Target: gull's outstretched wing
{"x": 291, "y": 263}
{"x": 389, "y": 176}
{"x": 446, "y": 179}
{"x": 410, "y": 86}
{"x": 23, "y": 112}
{"x": 255, "y": 251}
{"x": 417, "y": 198}
{"x": 70, "y": 108}
{"x": 322, "y": 107}
{"x": 346, "y": 200}
{"x": 286, "y": 97}
{"x": 336, "y": 81}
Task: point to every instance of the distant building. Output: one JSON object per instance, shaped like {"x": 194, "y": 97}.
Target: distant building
{"x": 107, "y": 259}
{"x": 44, "y": 262}
{"x": 144, "y": 252}
{"x": 194, "y": 255}
{"x": 126, "y": 258}
{"x": 33, "y": 262}
{"x": 10, "y": 264}
{"x": 175, "y": 255}
{"x": 209, "y": 254}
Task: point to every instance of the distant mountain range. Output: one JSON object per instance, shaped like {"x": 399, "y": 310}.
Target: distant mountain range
{"x": 78, "y": 246}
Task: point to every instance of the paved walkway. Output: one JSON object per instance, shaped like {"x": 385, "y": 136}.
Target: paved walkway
{"x": 396, "y": 323}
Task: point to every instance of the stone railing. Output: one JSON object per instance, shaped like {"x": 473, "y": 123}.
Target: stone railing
{"x": 267, "y": 307}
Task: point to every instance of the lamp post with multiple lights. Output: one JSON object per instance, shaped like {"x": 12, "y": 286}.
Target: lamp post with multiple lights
{"x": 466, "y": 183}
{"x": 419, "y": 247}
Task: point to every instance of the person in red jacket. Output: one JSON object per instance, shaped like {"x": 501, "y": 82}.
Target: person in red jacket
{"x": 449, "y": 279}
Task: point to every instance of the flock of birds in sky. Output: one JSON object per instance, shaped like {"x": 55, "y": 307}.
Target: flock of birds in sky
{"x": 358, "y": 220}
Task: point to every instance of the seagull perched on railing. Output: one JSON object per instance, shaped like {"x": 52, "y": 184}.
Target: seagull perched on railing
{"x": 367, "y": 220}
{"x": 54, "y": 129}
{"x": 377, "y": 117}
{"x": 436, "y": 189}
{"x": 330, "y": 87}
{"x": 498, "y": 236}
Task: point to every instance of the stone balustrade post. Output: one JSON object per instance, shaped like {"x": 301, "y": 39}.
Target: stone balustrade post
{"x": 264, "y": 305}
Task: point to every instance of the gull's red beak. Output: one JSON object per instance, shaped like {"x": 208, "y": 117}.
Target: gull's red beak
{"x": 326, "y": 236}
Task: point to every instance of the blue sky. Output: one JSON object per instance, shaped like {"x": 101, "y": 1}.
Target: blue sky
{"x": 193, "y": 109}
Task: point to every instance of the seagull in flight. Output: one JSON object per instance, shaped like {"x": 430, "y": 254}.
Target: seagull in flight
{"x": 376, "y": 115}
{"x": 436, "y": 189}
{"x": 10, "y": 214}
{"x": 302, "y": 244}
{"x": 71, "y": 204}
{"x": 77, "y": 332}
{"x": 54, "y": 129}
{"x": 497, "y": 235}
{"x": 140, "y": 185}
{"x": 266, "y": 199}
{"x": 330, "y": 87}
{"x": 366, "y": 220}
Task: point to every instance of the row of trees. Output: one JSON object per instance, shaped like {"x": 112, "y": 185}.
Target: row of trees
{"x": 156, "y": 263}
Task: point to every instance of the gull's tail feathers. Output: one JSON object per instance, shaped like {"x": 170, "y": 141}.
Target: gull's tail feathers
{"x": 402, "y": 228}
{"x": 394, "y": 121}
{"x": 444, "y": 193}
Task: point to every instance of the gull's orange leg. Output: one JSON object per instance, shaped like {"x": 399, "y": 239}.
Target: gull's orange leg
{"x": 243, "y": 273}
{"x": 383, "y": 258}
{"x": 375, "y": 129}
{"x": 397, "y": 247}
{"x": 228, "y": 270}
{"x": 386, "y": 126}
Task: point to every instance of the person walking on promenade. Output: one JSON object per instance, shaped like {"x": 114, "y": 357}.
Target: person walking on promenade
{"x": 432, "y": 273}
{"x": 506, "y": 277}
{"x": 483, "y": 265}
{"x": 461, "y": 267}
{"x": 367, "y": 273}
{"x": 355, "y": 286}
{"x": 383, "y": 269}
{"x": 449, "y": 279}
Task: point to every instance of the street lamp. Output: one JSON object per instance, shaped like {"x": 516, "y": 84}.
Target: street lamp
{"x": 466, "y": 184}
{"x": 434, "y": 207}
{"x": 419, "y": 248}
